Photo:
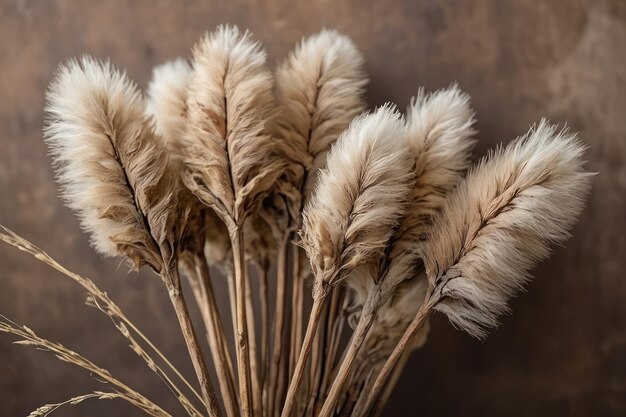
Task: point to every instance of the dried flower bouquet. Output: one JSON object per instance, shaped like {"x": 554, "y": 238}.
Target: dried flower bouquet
{"x": 225, "y": 168}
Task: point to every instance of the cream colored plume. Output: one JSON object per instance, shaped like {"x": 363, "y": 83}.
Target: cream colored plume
{"x": 360, "y": 197}
{"x": 227, "y": 144}
{"x": 499, "y": 223}
{"x": 439, "y": 135}
{"x": 167, "y": 102}
{"x": 319, "y": 89}
{"x": 109, "y": 161}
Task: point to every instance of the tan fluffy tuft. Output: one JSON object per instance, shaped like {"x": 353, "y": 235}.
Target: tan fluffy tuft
{"x": 499, "y": 223}
{"x": 167, "y": 101}
{"x": 109, "y": 161}
{"x": 228, "y": 104}
{"x": 320, "y": 89}
{"x": 360, "y": 196}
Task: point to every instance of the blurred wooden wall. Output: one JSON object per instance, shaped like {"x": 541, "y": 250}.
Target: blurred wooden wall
{"x": 563, "y": 352}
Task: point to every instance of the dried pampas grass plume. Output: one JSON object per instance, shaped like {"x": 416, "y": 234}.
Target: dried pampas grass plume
{"x": 167, "y": 102}
{"x": 320, "y": 89}
{"x": 229, "y": 161}
{"x": 494, "y": 227}
{"x": 439, "y": 134}
{"x": 109, "y": 162}
{"x": 359, "y": 199}
{"x": 500, "y": 222}
{"x": 227, "y": 144}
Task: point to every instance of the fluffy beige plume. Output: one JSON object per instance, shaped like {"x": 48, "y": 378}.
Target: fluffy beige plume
{"x": 499, "y": 223}
{"x": 227, "y": 143}
{"x": 439, "y": 128}
{"x": 439, "y": 135}
{"x": 109, "y": 161}
{"x": 320, "y": 89}
{"x": 228, "y": 153}
{"x": 360, "y": 197}
{"x": 167, "y": 102}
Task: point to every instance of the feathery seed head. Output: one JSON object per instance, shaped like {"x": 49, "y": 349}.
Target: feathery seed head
{"x": 167, "y": 102}
{"x": 359, "y": 198}
{"x": 229, "y": 101}
{"x": 320, "y": 89}
{"x": 499, "y": 222}
{"x": 109, "y": 161}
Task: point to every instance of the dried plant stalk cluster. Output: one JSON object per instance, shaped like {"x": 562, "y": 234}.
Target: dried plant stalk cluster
{"x": 307, "y": 206}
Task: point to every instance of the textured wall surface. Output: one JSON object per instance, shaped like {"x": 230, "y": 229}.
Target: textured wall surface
{"x": 564, "y": 350}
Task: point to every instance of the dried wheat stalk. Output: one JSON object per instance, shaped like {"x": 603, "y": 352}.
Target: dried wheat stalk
{"x": 29, "y": 338}
{"x": 47, "y": 409}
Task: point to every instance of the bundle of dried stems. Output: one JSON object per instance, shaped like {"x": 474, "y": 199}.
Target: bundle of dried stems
{"x": 225, "y": 168}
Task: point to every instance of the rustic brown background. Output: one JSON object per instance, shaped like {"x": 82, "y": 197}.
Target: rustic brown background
{"x": 564, "y": 350}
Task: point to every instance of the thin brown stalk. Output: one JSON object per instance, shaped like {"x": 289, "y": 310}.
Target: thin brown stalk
{"x": 358, "y": 337}
{"x": 232, "y": 302}
{"x": 318, "y": 350}
{"x": 357, "y": 408}
{"x": 335, "y": 326}
{"x": 297, "y": 309}
{"x": 265, "y": 334}
{"x": 255, "y": 382}
{"x": 29, "y": 338}
{"x": 172, "y": 281}
{"x": 241, "y": 341}
{"x": 319, "y": 303}
{"x": 200, "y": 281}
{"x": 282, "y": 383}
{"x": 355, "y": 394}
{"x": 279, "y": 320}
